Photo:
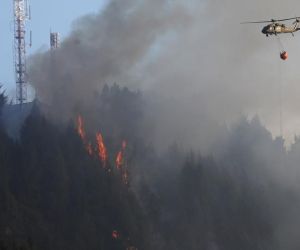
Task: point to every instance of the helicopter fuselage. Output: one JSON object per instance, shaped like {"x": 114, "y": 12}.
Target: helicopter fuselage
{"x": 278, "y": 28}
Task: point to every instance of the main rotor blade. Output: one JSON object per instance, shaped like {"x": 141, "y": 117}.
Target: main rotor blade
{"x": 292, "y": 18}
{"x": 273, "y": 20}
{"x": 259, "y": 22}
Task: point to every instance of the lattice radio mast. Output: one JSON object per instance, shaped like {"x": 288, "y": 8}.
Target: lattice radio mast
{"x": 21, "y": 15}
{"x": 54, "y": 40}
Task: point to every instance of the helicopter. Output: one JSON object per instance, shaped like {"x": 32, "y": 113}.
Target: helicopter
{"x": 276, "y": 27}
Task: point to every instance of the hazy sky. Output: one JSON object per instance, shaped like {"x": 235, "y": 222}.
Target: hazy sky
{"x": 205, "y": 63}
{"x": 55, "y": 14}
{"x": 204, "y": 60}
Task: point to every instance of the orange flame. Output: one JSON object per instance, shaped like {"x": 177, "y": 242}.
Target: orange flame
{"x": 102, "y": 152}
{"x": 120, "y": 156}
{"x": 115, "y": 234}
{"x": 80, "y": 128}
{"x": 82, "y": 134}
{"x": 119, "y": 160}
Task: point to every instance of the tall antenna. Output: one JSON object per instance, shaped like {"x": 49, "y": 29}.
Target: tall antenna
{"x": 21, "y": 14}
{"x": 54, "y": 40}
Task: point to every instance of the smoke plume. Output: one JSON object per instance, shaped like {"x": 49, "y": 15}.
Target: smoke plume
{"x": 199, "y": 68}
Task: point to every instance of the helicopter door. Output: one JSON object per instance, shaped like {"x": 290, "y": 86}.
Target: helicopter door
{"x": 278, "y": 28}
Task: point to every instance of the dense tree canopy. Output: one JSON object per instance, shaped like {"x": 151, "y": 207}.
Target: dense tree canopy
{"x": 54, "y": 195}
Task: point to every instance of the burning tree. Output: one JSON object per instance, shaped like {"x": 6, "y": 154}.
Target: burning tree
{"x": 82, "y": 134}
{"x": 102, "y": 151}
{"x": 120, "y": 156}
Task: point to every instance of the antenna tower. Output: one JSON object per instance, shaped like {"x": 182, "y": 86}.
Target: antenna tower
{"x": 21, "y": 14}
{"x": 54, "y": 40}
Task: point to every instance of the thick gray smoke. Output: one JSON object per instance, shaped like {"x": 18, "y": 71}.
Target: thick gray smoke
{"x": 103, "y": 48}
{"x": 197, "y": 65}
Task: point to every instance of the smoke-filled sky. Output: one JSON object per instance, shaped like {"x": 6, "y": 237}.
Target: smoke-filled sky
{"x": 197, "y": 65}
